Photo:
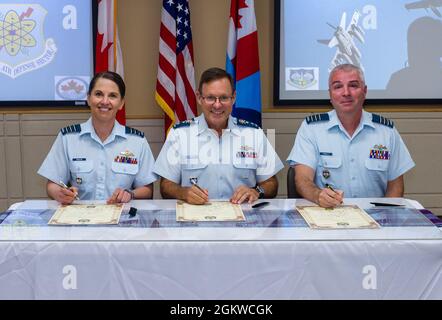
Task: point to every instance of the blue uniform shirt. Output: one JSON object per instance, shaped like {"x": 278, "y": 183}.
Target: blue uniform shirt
{"x": 360, "y": 165}
{"x": 97, "y": 168}
{"x": 241, "y": 156}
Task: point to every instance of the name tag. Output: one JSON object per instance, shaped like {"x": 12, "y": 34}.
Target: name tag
{"x": 325, "y": 153}
{"x": 78, "y": 159}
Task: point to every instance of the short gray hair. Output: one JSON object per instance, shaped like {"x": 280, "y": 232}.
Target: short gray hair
{"x": 346, "y": 67}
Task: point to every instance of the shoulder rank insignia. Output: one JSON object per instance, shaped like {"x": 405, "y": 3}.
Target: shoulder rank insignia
{"x": 382, "y": 120}
{"x": 318, "y": 117}
{"x": 135, "y": 132}
{"x": 245, "y": 123}
{"x": 75, "y": 128}
{"x": 182, "y": 124}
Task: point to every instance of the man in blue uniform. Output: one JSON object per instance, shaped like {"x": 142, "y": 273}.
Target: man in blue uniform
{"x": 348, "y": 151}
{"x": 100, "y": 159}
{"x": 216, "y": 155}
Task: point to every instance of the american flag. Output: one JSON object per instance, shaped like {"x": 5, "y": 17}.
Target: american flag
{"x": 175, "y": 90}
{"x": 108, "y": 54}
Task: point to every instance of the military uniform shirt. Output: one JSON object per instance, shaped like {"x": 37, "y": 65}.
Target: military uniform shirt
{"x": 97, "y": 168}
{"x": 360, "y": 165}
{"x": 241, "y": 156}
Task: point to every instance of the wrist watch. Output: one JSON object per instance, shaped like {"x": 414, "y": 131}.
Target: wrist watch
{"x": 260, "y": 191}
{"x": 132, "y": 194}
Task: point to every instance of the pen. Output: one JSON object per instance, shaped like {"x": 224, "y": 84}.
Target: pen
{"x": 383, "y": 204}
{"x": 332, "y": 189}
{"x": 261, "y": 204}
{"x": 192, "y": 181}
{"x": 63, "y": 185}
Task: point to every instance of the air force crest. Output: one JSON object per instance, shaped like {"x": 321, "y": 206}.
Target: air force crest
{"x": 23, "y": 47}
{"x": 302, "y": 78}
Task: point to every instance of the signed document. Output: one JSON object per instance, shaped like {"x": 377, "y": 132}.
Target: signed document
{"x": 342, "y": 217}
{"x": 211, "y": 211}
{"x": 78, "y": 214}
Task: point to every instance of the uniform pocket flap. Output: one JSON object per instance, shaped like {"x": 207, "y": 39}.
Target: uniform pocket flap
{"x": 241, "y": 165}
{"x": 376, "y": 164}
{"x": 124, "y": 168}
{"x": 82, "y": 166}
{"x": 331, "y": 162}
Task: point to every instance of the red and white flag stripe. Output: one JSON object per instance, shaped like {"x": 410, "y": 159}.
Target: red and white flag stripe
{"x": 175, "y": 89}
{"x": 108, "y": 55}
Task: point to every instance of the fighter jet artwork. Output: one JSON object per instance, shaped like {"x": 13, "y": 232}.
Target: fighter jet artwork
{"x": 343, "y": 40}
{"x": 426, "y": 4}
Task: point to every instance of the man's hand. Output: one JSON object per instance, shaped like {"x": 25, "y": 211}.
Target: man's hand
{"x": 119, "y": 196}
{"x": 328, "y": 198}
{"x": 65, "y": 196}
{"x": 194, "y": 195}
{"x": 244, "y": 193}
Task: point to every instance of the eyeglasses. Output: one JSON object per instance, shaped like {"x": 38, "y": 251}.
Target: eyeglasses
{"x": 213, "y": 99}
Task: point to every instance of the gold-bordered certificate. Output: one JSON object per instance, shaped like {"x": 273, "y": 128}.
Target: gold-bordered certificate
{"x": 87, "y": 214}
{"x": 342, "y": 217}
{"x": 211, "y": 211}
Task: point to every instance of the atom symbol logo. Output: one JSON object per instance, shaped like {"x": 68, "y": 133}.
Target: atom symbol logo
{"x": 15, "y": 33}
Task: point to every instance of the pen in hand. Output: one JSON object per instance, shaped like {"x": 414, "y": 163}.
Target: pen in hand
{"x": 330, "y": 187}
{"x": 193, "y": 182}
{"x": 63, "y": 185}
{"x": 193, "y": 196}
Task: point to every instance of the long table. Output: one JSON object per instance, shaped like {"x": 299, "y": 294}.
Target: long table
{"x": 166, "y": 260}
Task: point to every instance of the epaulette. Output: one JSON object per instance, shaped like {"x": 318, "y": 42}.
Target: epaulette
{"x": 75, "y": 128}
{"x": 317, "y": 118}
{"x": 245, "y": 123}
{"x": 382, "y": 120}
{"x": 135, "y": 132}
{"x": 185, "y": 123}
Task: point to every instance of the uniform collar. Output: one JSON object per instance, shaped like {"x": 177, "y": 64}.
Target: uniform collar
{"x": 201, "y": 122}
{"x": 232, "y": 124}
{"x": 203, "y": 126}
{"x": 117, "y": 130}
{"x": 334, "y": 120}
{"x": 365, "y": 121}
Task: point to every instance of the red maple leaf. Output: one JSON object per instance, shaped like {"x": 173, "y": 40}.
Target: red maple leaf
{"x": 72, "y": 85}
{"x": 234, "y": 12}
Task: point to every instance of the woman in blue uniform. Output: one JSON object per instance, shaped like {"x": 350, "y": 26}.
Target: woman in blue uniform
{"x": 100, "y": 159}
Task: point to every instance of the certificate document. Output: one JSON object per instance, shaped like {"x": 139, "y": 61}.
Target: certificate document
{"x": 78, "y": 214}
{"x": 211, "y": 211}
{"x": 342, "y": 217}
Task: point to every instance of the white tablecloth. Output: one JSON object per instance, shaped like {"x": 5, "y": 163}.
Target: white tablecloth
{"x": 219, "y": 263}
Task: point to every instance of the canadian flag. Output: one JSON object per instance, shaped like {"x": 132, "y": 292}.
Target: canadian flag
{"x": 108, "y": 54}
{"x": 242, "y": 60}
